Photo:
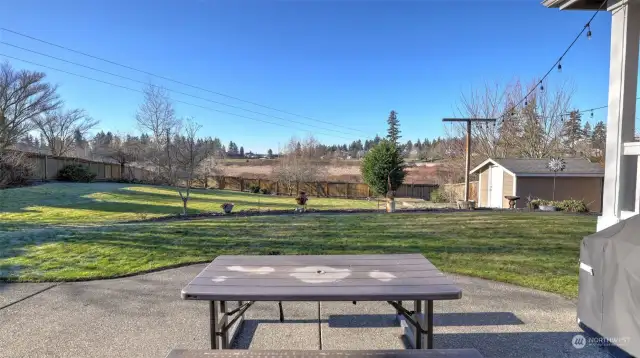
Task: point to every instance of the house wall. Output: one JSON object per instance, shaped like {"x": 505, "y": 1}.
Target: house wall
{"x": 483, "y": 188}
{"x": 587, "y": 189}
{"x": 507, "y": 187}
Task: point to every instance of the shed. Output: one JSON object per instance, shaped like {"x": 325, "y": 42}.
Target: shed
{"x": 581, "y": 179}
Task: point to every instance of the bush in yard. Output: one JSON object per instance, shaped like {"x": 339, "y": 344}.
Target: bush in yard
{"x": 15, "y": 170}
{"x": 439, "y": 196}
{"x": 76, "y": 173}
{"x": 572, "y": 205}
{"x": 254, "y": 189}
{"x": 382, "y": 167}
{"x": 265, "y": 191}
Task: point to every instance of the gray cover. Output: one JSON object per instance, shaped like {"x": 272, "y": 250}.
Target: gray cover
{"x": 609, "y": 297}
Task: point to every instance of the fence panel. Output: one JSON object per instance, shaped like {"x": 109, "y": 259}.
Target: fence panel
{"x": 457, "y": 190}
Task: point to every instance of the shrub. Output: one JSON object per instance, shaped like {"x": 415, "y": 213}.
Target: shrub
{"x": 383, "y": 163}
{"x": 76, "y": 173}
{"x": 572, "y": 205}
{"x": 15, "y": 170}
{"x": 265, "y": 191}
{"x": 254, "y": 189}
{"x": 439, "y": 196}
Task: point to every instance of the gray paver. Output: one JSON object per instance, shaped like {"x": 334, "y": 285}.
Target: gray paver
{"x": 115, "y": 318}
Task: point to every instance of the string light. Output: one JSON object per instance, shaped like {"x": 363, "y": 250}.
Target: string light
{"x": 592, "y": 113}
{"x": 558, "y": 64}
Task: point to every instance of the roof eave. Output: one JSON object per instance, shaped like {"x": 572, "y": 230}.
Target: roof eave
{"x": 573, "y": 4}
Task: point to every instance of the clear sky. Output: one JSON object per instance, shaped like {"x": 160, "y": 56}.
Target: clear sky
{"x": 345, "y": 62}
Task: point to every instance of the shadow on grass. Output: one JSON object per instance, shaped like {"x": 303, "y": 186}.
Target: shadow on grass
{"x": 446, "y": 239}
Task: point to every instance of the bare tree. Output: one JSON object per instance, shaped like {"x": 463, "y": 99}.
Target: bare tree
{"x": 210, "y": 167}
{"x": 298, "y": 165}
{"x": 530, "y": 128}
{"x": 123, "y": 149}
{"x": 58, "y": 128}
{"x": 189, "y": 156}
{"x": 157, "y": 116}
{"x": 156, "y": 113}
{"x": 23, "y": 97}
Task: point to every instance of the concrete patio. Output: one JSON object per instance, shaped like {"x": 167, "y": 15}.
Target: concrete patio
{"x": 143, "y": 316}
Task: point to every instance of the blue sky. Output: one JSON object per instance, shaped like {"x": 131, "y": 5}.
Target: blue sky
{"x": 345, "y": 62}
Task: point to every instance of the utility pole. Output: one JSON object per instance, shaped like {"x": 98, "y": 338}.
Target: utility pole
{"x": 467, "y": 166}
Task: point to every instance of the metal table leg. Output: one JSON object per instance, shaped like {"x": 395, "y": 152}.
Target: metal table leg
{"x": 419, "y": 337}
{"x": 429, "y": 324}
{"x": 224, "y": 334}
{"x": 213, "y": 323}
{"x": 319, "y": 327}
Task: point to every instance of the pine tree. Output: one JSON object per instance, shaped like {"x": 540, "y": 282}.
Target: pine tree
{"x": 599, "y": 136}
{"x": 586, "y": 131}
{"x": 393, "y": 131}
{"x": 572, "y": 131}
{"x": 270, "y": 153}
{"x": 242, "y": 151}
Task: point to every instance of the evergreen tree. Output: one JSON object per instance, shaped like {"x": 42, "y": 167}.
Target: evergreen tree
{"x": 586, "y": 131}
{"x": 599, "y": 136}
{"x": 572, "y": 131}
{"x": 78, "y": 139}
{"x": 393, "y": 130}
{"x": 242, "y": 151}
{"x": 381, "y": 166}
{"x": 270, "y": 153}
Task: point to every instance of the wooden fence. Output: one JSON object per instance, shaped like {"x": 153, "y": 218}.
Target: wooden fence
{"x": 46, "y": 168}
{"x": 319, "y": 189}
{"x": 456, "y": 191}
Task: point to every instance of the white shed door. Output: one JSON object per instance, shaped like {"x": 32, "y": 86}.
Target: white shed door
{"x": 495, "y": 187}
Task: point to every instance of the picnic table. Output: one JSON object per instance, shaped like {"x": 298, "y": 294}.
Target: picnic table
{"x": 391, "y": 278}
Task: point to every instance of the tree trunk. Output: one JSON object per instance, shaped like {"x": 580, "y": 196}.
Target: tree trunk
{"x": 184, "y": 206}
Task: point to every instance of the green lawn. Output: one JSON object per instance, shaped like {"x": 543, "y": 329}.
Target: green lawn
{"x": 529, "y": 249}
{"x": 100, "y": 203}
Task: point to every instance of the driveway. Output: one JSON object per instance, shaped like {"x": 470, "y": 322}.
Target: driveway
{"x": 143, "y": 316}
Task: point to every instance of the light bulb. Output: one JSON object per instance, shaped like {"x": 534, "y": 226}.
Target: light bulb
{"x": 559, "y": 67}
{"x": 588, "y": 32}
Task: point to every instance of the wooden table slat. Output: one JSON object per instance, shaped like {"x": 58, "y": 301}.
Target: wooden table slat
{"x": 319, "y": 281}
{"x": 321, "y": 278}
{"x": 279, "y": 274}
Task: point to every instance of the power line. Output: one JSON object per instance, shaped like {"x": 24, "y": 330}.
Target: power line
{"x": 183, "y": 102}
{"x": 558, "y": 64}
{"x": 171, "y": 90}
{"x": 176, "y": 81}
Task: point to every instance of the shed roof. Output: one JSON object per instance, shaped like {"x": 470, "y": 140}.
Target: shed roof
{"x": 576, "y": 167}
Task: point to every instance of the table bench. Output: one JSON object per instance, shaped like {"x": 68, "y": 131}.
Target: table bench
{"x": 390, "y": 278}
{"x": 413, "y": 353}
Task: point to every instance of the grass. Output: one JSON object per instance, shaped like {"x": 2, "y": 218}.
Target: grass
{"x": 529, "y": 249}
{"x": 72, "y": 204}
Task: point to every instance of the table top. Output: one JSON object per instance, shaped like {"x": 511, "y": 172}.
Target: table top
{"x": 321, "y": 278}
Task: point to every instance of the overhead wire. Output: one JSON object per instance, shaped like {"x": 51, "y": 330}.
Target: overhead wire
{"x": 178, "y": 101}
{"x": 169, "y": 89}
{"x": 176, "y": 81}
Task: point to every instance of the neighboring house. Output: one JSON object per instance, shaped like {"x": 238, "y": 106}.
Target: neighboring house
{"x": 581, "y": 179}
